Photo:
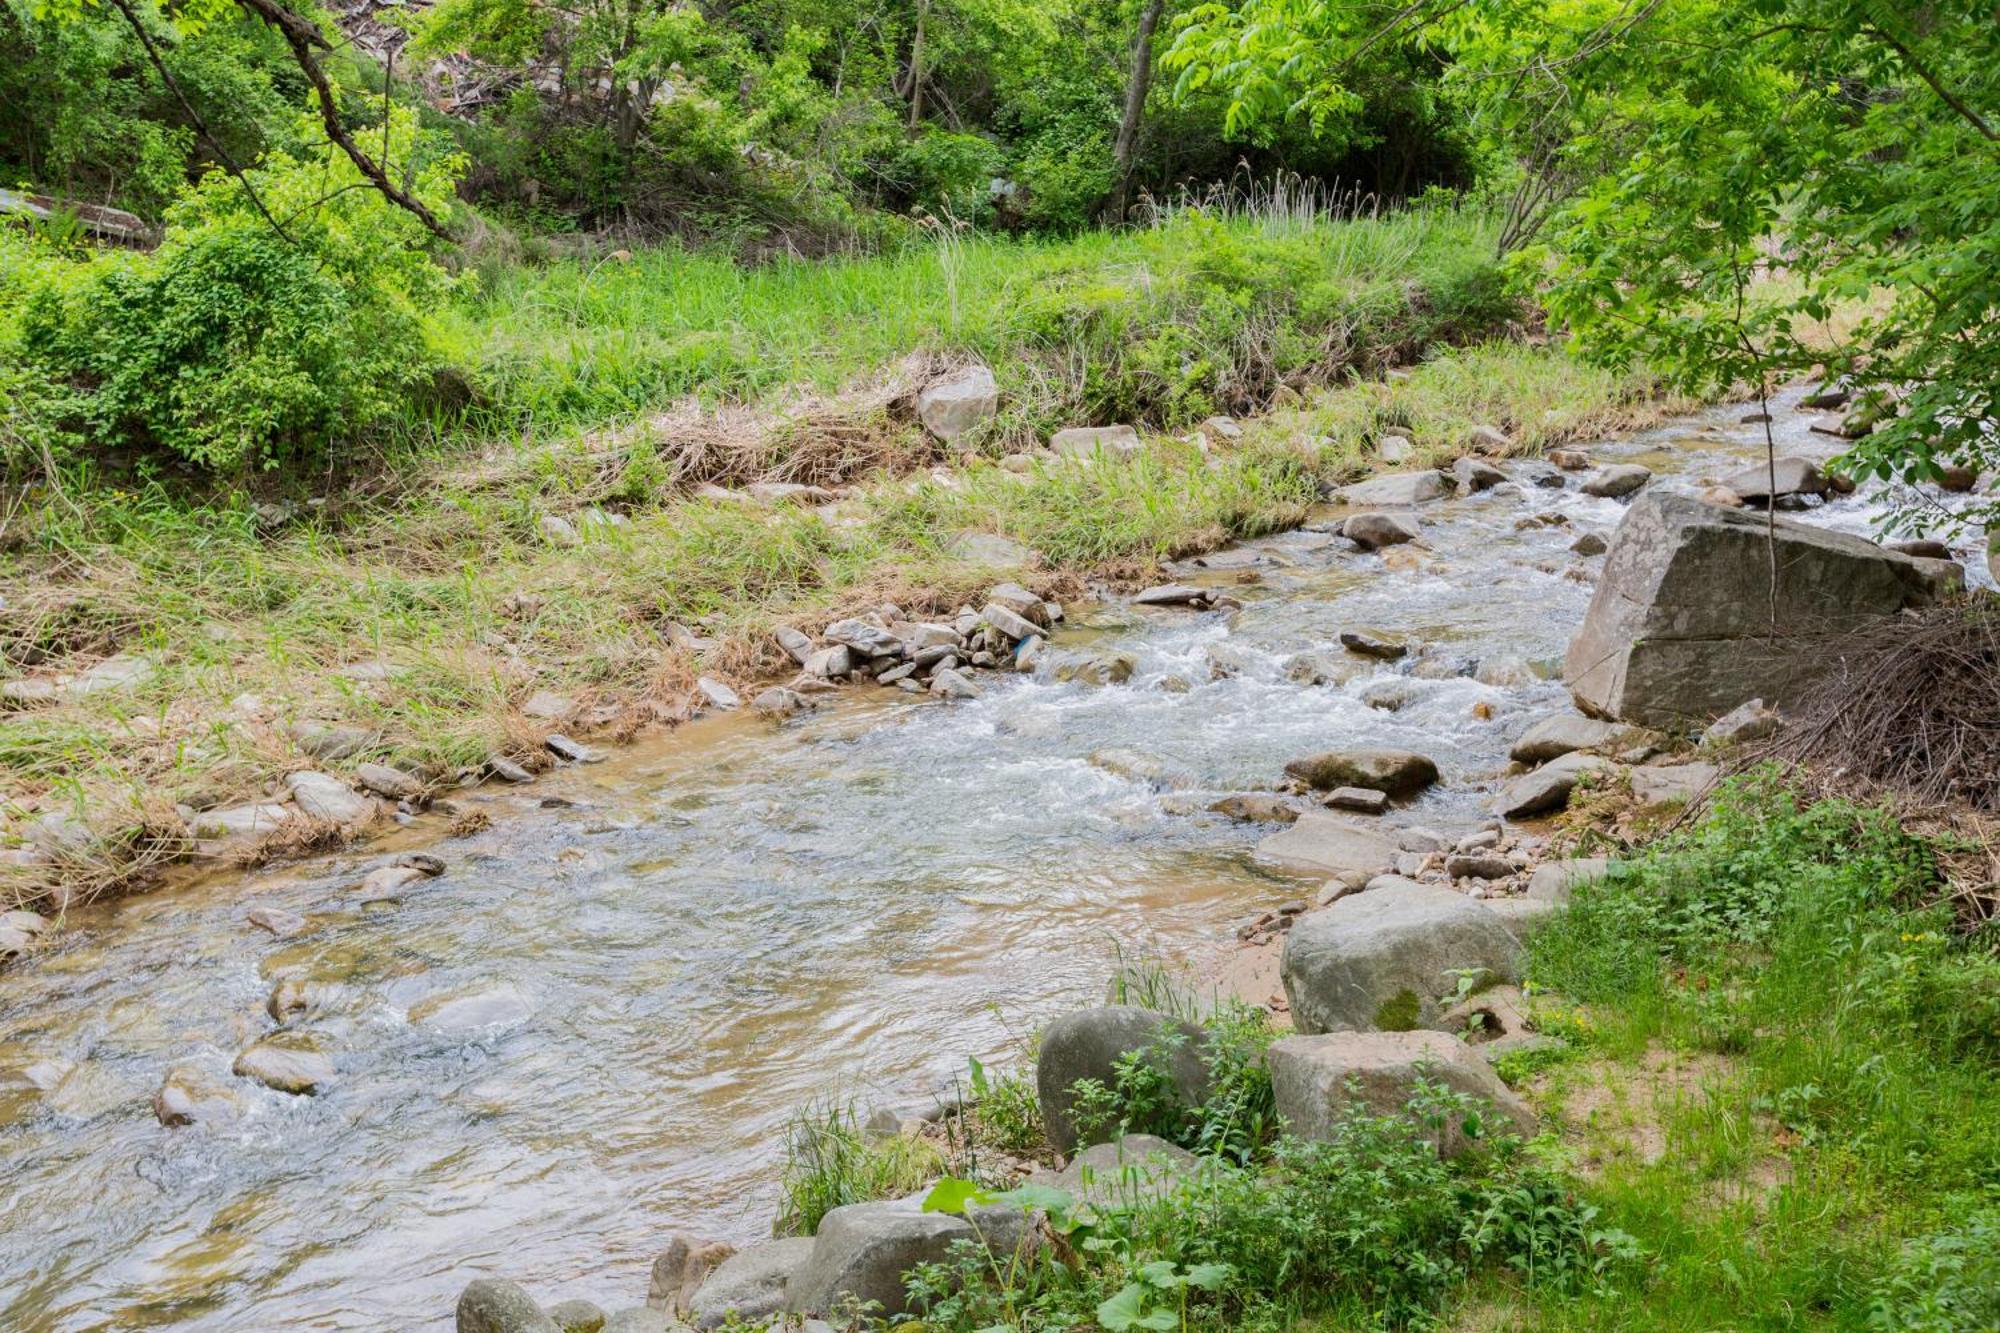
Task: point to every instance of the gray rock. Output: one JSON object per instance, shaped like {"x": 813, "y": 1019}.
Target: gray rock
{"x": 1387, "y": 960}
{"x": 1670, "y": 784}
{"x": 507, "y": 770}
{"x": 330, "y": 741}
{"x": 1129, "y": 1170}
{"x": 1372, "y": 531}
{"x": 1088, "y": 1044}
{"x": 1113, "y": 668}
{"x": 1488, "y": 440}
{"x": 493, "y": 1305}
{"x": 862, "y": 1251}
{"x": 1393, "y": 449}
{"x": 717, "y": 695}
{"x": 548, "y": 706}
{"x": 1478, "y": 865}
{"x": 1473, "y": 475}
{"x": 1325, "y": 844}
{"x": 1144, "y": 768}
{"x": 949, "y": 684}
{"x": 1548, "y": 788}
{"x": 1170, "y": 594}
{"x": 681, "y": 1269}
{"x": 285, "y": 1067}
{"x": 1590, "y": 544}
{"x": 1396, "y": 490}
{"x": 1680, "y": 629}
{"x": 780, "y": 702}
{"x": 1746, "y": 722}
{"x": 830, "y": 663}
{"x": 191, "y": 1097}
{"x": 1570, "y": 460}
{"x": 1009, "y": 622}
{"x": 750, "y": 1283}
{"x": 239, "y": 821}
{"x": 1419, "y": 839}
{"x": 1256, "y": 807}
{"x": 1222, "y": 430}
{"x": 1088, "y": 441}
{"x": 570, "y": 751}
{"x": 577, "y": 1316}
{"x": 1559, "y": 734}
{"x": 953, "y": 405}
{"x": 796, "y": 645}
{"x": 1362, "y": 800}
{"x": 126, "y": 671}
{"x": 639, "y": 1320}
{"x": 1553, "y": 881}
{"x": 277, "y": 920}
{"x": 863, "y": 638}
{"x": 1022, "y": 603}
{"x": 1795, "y": 477}
{"x": 322, "y": 797}
{"x": 1367, "y": 645}
{"x": 1397, "y": 772}
{"x": 389, "y": 783}
{"x": 1321, "y": 1080}
{"x": 1618, "y": 480}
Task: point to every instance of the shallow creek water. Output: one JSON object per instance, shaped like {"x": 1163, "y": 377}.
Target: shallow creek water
{"x": 729, "y": 921}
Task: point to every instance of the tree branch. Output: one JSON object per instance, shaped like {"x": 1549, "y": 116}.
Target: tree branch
{"x": 1923, "y": 72}
{"x": 304, "y": 38}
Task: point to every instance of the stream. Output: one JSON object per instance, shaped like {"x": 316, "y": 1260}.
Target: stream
{"x": 728, "y": 922}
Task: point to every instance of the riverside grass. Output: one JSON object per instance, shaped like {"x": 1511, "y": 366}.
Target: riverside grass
{"x": 436, "y": 565}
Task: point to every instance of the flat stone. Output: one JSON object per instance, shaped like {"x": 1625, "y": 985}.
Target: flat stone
{"x": 1670, "y": 784}
{"x": 570, "y": 751}
{"x": 548, "y": 706}
{"x": 796, "y": 645}
{"x": 1089, "y": 441}
{"x": 1367, "y": 645}
{"x": 323, "y": 797}
{"x": 949, "y": 684}
{"x": 717, "y": 695}
{"x": 1397, "y": 772}
{"x": 1326, "y": 844}
{"x": 1559, "y": 734}
{"x": 284, "y": 925}
{"x": 1256, "y": 808}
{"x": 1022, "y": 602}
{"x": 1751, "y": 721}
{"x": 1395, "y": 490}
{"x": 1363, "y": 800}
{"x": 1548, "y": 788}
{"x": 1796, "y": 477}
{"x": 1111, "y": 668}
{"x": 507, "y": 770}
{"x": 285, "y": 1068}
{"x": 1570, "y": 460}
{"x": 1617, "y": 481}
{"x": 1320, "y": 1081}
{"x": 1009, "y": 623}
{"x": 1478, "y": 865}
{"x": 239, "y": 821}
{"x": 389, "y": 783}
{"x": 863, "y": 638}
{"x": 750, "y": 1284}
{"x": 1386, "y": 960}
{"x": 1170, "y": 594}
{"x": 126, "y": 671}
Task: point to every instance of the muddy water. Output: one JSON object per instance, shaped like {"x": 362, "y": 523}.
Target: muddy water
{"x": 720, "y": 925}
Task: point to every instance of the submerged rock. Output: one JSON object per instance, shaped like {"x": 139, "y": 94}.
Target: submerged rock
{"x": 299, "y": 1070}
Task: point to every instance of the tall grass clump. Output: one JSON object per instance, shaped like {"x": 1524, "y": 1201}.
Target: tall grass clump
{"x": 830, "y": 1161}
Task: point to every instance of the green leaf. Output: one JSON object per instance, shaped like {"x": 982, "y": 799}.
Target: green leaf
{"x": 951, "y": 1195}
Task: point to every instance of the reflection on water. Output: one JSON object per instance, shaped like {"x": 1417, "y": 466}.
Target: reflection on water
{"x": 619, "y": 1002}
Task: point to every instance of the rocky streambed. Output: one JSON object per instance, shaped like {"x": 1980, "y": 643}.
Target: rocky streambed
{"x": 587, "y": 1031}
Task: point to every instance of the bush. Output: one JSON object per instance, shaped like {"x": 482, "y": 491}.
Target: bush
{"x": 234, "y": 347}
{"x": 1947, "y": 1282}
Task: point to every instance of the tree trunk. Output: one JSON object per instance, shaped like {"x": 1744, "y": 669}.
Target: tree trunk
{"x": 917, "y": 68}
{"x": 1127, "y": 144}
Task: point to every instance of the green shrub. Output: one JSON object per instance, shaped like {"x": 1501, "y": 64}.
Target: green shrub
{"x": 1236, "y": 1120}
{"x": 233, "y": 346}
{"x": 1946, "y": 1282}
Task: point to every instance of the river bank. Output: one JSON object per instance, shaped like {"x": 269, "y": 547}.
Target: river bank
{"x": 205, "y": 657}
{"x": 652, "y": 958}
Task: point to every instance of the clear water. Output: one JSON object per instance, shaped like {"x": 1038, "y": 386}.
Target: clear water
{"x": 731, "y": 920}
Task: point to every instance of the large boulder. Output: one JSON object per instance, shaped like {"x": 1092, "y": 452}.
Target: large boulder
{"x": 1547, "y": 789}
{"x": 1397, "y": 772}
{"x": 1088, "y": 1045}
{"x": 1680, "y": 626}
{"x": 862, "y": 1250}
{"x": 951, "y": 406}
{"x": 1325, "y": 844}
{"x": 750, "y": 1284}
{"x": 1559, "y": 734}
{"x": 1396, "y": 490}
{"x": 1795, "y": 477}
{"x": 1319, "y": 1081}
{"x": 1389, "y": 958}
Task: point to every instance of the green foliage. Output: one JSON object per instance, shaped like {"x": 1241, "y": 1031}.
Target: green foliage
{"x": 1946, "y": 1282}
{"x": 829, "y": 1163}
{"x": 233, "y": 346}
{"x": 1235, "y": 1121}
{"x": 1007, "y": 1109}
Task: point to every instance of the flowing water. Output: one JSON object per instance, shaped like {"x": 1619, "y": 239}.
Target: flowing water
{"x": 728, "y": 922}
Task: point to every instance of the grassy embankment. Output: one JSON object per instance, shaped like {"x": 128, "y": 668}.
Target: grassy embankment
{"x": 1771, "y": 1101}
{"x": 623, "y": 385}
